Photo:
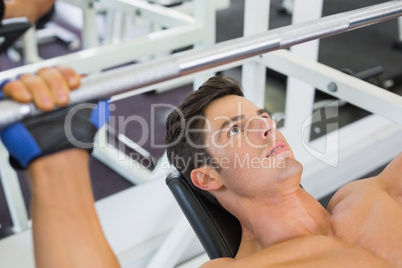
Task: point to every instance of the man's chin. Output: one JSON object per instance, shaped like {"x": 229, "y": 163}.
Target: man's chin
{"x": 291, "y": 166}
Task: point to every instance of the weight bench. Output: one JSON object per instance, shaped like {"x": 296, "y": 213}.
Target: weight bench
{"x": 10, "y": 30}
{"x": 218, "y": 231}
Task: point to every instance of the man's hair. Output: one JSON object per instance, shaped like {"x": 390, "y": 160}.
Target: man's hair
{"x": 186, "y": 148}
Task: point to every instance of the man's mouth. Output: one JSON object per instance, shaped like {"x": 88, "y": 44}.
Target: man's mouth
{"x": 279, "y": 148}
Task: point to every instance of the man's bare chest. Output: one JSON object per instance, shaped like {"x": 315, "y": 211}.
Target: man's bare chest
{"x": 373, "y": 221}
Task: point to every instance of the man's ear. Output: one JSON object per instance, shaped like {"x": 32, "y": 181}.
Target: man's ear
{"x": 206, "y": 179}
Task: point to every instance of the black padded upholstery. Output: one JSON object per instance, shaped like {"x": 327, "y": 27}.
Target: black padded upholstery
{"x": 218, "y": 231}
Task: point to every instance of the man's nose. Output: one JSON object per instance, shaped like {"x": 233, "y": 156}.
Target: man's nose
{"x": 264, "y": 128}
{"x": 269, "y": 128}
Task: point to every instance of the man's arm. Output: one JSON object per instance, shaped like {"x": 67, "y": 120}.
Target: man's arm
{"x": 66, "y": 229}
{"x": 31, "y": 9}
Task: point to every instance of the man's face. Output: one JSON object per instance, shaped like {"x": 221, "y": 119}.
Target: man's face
{"x": 251, "y": 153}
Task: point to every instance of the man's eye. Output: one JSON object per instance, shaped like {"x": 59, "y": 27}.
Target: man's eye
{"x": 234, "y": 130}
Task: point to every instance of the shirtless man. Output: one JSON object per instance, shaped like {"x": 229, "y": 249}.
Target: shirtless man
{"x": 240, "y": 159}
{"x": 282, "y": 224}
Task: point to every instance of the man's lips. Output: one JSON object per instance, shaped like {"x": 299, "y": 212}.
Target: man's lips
{"x": 277, "y": 148}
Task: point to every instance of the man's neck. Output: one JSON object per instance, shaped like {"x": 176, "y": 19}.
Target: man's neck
{"x": 281, "y": 218}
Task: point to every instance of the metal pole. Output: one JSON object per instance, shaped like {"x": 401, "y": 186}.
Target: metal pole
{"x": 109, "y": 83}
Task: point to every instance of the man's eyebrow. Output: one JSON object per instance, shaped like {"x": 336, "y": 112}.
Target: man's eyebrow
{"x": 238, "y": 117}
{"x": 262, "y": 111}
{"x": 230, "y": 120}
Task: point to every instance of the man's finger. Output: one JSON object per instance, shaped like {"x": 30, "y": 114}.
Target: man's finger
{"x": 72, "y": 78}
{"x": 41, "y": 95}
{"x": 57, "y": 85}
{"x": 17, "y": 91}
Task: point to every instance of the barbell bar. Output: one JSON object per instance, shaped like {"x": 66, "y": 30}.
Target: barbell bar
{"x": 106, "y": 84}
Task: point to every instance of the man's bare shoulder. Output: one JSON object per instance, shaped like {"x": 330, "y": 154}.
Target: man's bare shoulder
{"x": 368, "y": 213}
{"x": 395, "y": 166}
{"x": 312, "y": 251}
{"x": 391, "y": 178}
{"x": 351, "y": 190}
{"x": 389, "y": 181}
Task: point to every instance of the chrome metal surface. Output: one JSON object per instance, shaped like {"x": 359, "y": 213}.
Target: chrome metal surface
{"x": 109, "y": 83}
